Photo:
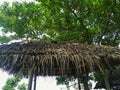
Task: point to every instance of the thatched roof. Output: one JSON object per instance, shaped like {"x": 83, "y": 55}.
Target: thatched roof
{"x": 56, "y": 58}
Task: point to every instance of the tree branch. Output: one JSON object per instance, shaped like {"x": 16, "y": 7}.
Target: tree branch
{"x": 105, "y": 29}
{"x": 116, "y": 36}
{"x": 87, "y": 34}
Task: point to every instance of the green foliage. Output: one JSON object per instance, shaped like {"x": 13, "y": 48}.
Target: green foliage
{"x": 12, "y": 83}
{"x": 63, "y": 80}
{"x": 21, "y": 19}
{"x": 4, "y": 39}
{"x": 85, "y": 21}
{"x": 22, "y": 86}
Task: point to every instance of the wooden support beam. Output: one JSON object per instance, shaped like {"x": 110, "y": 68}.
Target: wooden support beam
{"x": 35, "y": 79}
{"x": 30, "y": 82}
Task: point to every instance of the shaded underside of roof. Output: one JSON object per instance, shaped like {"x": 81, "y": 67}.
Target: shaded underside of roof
{"x": 101, "y": 85}
{"x": 114, "y": 78}
{"x": 57, "y": 58}
{"x": 114, "y": 81}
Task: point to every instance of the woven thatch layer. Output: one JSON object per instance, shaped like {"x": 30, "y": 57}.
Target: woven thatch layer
{"x": 55, "y": 58}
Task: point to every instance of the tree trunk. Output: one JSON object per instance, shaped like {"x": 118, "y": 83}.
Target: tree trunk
{"x": 85, "y": 82}
{"x": 106, "y": 80}
{"x": 30, "y": 82}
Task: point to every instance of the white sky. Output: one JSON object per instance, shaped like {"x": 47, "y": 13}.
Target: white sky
{"x": 46, "y": 83}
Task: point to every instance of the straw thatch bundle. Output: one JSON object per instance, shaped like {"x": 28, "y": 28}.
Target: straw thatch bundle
{"x": 57, "y": 58}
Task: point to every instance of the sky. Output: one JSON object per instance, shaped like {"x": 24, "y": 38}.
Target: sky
{"x": 43, "y": 83}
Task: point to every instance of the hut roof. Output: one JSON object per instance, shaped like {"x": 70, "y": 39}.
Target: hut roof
{"x": 56, "y": 58}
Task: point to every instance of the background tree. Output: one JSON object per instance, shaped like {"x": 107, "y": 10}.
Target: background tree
{"x": 22, "y": 86}
{"x": 64, "y": 81}
{"x": 21, "y": 19}
{"x": 86, "y": 21}
{"x": 12, "y": 83}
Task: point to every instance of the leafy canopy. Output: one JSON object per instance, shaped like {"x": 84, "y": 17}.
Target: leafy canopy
{"x": 86, "y": 21}
{"x": 12, "y": 83}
